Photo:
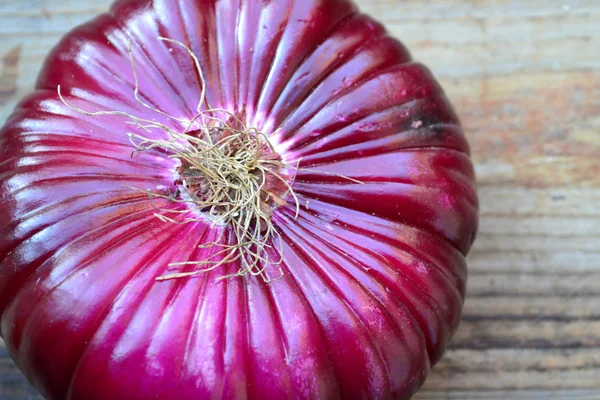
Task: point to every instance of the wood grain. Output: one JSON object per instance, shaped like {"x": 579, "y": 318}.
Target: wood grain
{"x": 525, "y": 78}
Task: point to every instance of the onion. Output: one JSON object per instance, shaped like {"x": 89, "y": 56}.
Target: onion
{"x": 235, "y": 199}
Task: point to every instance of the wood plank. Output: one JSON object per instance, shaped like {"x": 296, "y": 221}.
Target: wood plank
{"x": 493, "y": 360}
{"x": 519, "y": 201}
{"x": 508, "y": 395}
{"x": 534, "y": 333}
{"x": 482, "y": 39}
{"x": 532, "y": 130}
{"x": 518, "y": 369}
{"x": 403, "y": 10}
{"x": 549, "y": 226}
{"x": 539, "y": 308}
{"x": 533, "y": 262}
{"x": 531, "y": 285}
{"x": 573, "y": 379}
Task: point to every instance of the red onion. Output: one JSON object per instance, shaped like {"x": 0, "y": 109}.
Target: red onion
{"x": 150, "y": 265}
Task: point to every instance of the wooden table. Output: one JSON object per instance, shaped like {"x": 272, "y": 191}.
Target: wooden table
{"x": 525, "y": 77}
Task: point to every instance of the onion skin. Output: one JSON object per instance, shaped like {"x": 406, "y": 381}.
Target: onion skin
{"x": 374, "y": 274}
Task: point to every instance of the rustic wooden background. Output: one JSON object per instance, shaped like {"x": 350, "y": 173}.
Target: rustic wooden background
{"x": 525, "y": 77}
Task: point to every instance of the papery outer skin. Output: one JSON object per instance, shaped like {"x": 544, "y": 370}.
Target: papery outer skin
{"x": 374, "y": 274}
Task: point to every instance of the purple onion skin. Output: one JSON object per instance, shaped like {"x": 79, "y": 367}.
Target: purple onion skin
{"x": 374, "y": 273}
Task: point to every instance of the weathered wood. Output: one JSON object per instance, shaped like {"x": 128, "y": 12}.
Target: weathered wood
{"x": 509, "y": 395}
{"x": 525, "y": 78}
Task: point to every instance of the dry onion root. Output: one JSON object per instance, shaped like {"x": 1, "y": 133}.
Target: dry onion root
{"x": 225, "y": 167}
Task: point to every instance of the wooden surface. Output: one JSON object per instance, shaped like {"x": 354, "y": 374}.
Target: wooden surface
{"x": 525, "y": 77}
